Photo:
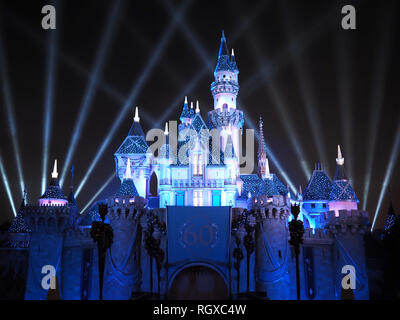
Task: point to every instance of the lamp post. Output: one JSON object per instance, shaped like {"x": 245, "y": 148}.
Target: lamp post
{"x": 296, "y": 230}
{"x": 102, "y": 234}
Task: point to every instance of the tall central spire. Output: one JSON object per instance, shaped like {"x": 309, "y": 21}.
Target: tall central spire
{"x": 263, "y": 166}
{"x": 223, "y": 49}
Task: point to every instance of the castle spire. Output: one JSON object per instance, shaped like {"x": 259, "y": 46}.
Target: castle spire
{"x": 262, "y": 157}
{"x": 340, "y": 173}
{"x": 339, "y": 159}
{"x": 128, "y": 170}
{"x": 223, "y": 49}
{"x": 233, "y": 62}
{"x": 166, "y": 129}
{"x": 54, "y": 174}
{"x": 197, "y": 107}
{"x": 136, "y": 118}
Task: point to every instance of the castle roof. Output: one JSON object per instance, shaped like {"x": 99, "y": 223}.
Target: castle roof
{"x": 390, "y": 217}
{"x": 341, "y": 187}
{"x": 267, "y": 188}
{"x": 342, "y": 191}
{"x": 134, "y": 145}
{"x": 185, "y": 111}
{"x": 127, "y": 189}
{"x": 53, "y": 191}
{"x": 251, "y": 183}
{"x": 18, "y": 224}
{"x": 318, "y": 187}
{"x": 224, "y": 59}
{"x": 262, "y": 187}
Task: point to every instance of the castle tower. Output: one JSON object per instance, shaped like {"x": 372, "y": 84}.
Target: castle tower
{"x": 48, "y": 222}
{"x": 53, "y": 196}
{"x": 135, "y": 149}
{"x": 225, "y": 117}
{"x": 315, "y": 197}
{"x": 342, "y": 195}
{"x": 263, "y": 165}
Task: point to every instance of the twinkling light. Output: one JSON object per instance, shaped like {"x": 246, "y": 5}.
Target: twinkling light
{"x": 7, "y": 185}
{"x": 392, "y": 161}
{"x": 136, "y": 89}
{"x": 10, "y": 115}
{"x": 92, "y": 85}
{"x": 108, "y": 181}
{"x": 318, "y": 188}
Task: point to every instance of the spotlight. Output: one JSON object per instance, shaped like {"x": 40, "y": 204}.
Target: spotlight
{"x": 305, "y": 83}
{"x": 135, "y": 91}
{"x": 6, "y": 185}
{"x": 92, "y": 85}
{"x": 384, "y": 47}
{"x": 11, "y": 115}
{"x": 280, "y": 107}
{"x": 98, "y": 192}
{"x": 48, "y": 107}
{"x": 389, "y": 170}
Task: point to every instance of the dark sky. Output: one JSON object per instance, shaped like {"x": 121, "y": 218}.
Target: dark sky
{"x": 295, "y": 51}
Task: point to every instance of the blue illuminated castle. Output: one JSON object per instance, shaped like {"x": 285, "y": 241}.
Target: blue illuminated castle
{"x": 210, "y": 232}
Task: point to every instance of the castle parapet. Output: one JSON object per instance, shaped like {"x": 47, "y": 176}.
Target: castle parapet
{"x": 348, "y": 220}
{"x": 48, "y": 219}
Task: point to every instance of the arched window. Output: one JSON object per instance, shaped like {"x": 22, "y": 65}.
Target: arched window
{"x": 197, "y": 198}
{"x": 198, "y": 165}
{"x": 154, "y": 184}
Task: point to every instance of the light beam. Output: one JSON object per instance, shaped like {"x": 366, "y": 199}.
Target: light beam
{"x": 98, "y": 192}
{"x": 11, "y": 115}
{"x": 378, "y": 90}
{"x": 49, "y": 100}
{"x": 136, "y": 89}
{"x": 389, "y": 170}
{"x": 7, "y": 185}
{"x": 92, "y": 85}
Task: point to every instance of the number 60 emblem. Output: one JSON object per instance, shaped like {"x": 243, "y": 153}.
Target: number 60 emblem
{"x": 206, "y": 235}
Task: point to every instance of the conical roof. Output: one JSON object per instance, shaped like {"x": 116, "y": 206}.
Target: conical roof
{"x": 318, "y": 187}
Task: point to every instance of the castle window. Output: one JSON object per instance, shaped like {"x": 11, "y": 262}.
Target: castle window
{"x": 324, "y": 205}
{"x": 313, "y": 205}
{"x": 198, "y": 165}
{"x": 197, "y": 198}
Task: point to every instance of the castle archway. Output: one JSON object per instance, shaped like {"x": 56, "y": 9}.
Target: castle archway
{"x": 154, "y": 184}
{"x": 198, "y": 282}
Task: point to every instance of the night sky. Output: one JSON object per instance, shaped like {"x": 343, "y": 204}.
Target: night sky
{"x": 298, "y": 69}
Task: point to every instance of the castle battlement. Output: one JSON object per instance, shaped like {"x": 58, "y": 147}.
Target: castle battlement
{"x": 49, "y": 219}
{"x": 347, "y": 220}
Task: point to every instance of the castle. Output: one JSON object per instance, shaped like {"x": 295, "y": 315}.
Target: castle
{"x": 211, "y": 232}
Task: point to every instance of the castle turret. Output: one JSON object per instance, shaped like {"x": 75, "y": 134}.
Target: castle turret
{"x": 135, "y": 149}
{"x": 53, "y": 196}
{"x": 225, "y": 88}
{"x": 342, "y": 195}
{"x": 315, "y": 197}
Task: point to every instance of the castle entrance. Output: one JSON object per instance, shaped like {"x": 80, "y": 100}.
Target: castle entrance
{"x": 198, "y": 283}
